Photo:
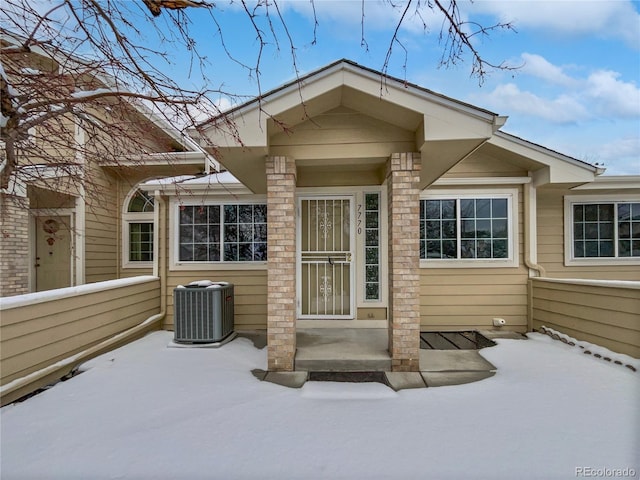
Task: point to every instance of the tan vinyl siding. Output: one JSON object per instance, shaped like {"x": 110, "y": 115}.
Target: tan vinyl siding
{"x": 469, "y": 298}
{"x": 604, "y": 315}
{"x": 101, "y": 226}
{"x": 551, "y": 240}
{"x": 464, "y": 299}
{"x": 480, "y": 165}
{"x": 250, "y": 294}
{"x": 40, "y": 333}
{"x": 342, "y": 133}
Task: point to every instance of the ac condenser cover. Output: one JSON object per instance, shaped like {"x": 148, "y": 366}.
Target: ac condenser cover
{"x": 203, "y": 314}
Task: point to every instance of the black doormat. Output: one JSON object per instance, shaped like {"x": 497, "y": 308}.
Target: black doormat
{"x": 351, "y": 377}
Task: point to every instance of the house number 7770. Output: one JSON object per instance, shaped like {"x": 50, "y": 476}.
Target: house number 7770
{"x": 359, "y": 219}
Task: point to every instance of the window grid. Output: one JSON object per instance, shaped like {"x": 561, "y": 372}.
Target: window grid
{"x": 141, "y": 202}
{"x": 230, "y": 233}
{"x": 372, "y": 246}
{"x": 140, "y": 242}
{"x": 138, "y": 228}
{"x": 606, "y": 230}
{"x": 464, "y": 228}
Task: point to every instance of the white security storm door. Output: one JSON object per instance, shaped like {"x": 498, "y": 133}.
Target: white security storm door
{"x": 325, "y": 270}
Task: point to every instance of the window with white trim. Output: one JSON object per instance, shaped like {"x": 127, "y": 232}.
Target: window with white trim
{"x": 468, "y": 229}
{"x": 222, "y": 233}
{"x": 605, "y": 230}
{"x": 138, "y": 229}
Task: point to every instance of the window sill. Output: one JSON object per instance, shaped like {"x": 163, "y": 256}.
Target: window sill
{"x": 133, "y": 265}
{"x": 601, "y": 262}
{"x": 468, "y": 263}
{"x": 199, "y": 266}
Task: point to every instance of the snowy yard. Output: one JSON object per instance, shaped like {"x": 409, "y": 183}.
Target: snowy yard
{"x": 151, "y": 412}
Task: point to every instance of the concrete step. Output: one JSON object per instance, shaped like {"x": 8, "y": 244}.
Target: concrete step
{"x": 343, "y": 365}
{"x": 342, "y": 350}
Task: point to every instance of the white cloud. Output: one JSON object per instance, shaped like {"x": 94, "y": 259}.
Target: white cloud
{"x": 540, "y": 67}
{"x": 562, "y": 109}
{"x": 612, "y": 96}
{"x": 621, "y": 156}
{"x": 603, "y": 94}
{"x": 378, "y": 14}
{"x": 612, "y": 19}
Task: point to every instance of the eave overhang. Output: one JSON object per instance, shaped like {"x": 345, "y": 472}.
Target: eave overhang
{"x": 546, "y": 166}
{"x": 446, "y": 131}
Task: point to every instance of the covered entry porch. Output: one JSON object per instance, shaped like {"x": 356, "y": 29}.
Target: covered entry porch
{"x": 316, "y": 269}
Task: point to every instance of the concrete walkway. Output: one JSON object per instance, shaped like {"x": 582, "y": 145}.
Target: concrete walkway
{"x": 346, "y": 350}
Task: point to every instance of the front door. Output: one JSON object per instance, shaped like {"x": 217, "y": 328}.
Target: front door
{"x": 53, "y": 252}
{"x": 325, "y": 245}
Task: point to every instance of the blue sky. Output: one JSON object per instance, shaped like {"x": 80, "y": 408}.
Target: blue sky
{"x": 578, "y": 90}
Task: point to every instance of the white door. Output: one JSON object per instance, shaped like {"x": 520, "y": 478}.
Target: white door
{"x": 325, "y": 246}
{"x": 53, "y": 253}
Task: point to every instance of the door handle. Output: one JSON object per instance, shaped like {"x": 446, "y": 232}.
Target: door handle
{"x": 330, "y": 261}
{"x": 349, "y": 257}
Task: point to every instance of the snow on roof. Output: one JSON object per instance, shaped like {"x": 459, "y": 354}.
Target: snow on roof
{"x": 220, "y": 177}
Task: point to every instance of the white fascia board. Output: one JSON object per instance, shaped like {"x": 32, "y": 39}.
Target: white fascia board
{"x": 376, "y": 87}
{"x": 536, "y": 152}
{"x": 382, "y": 83}
{"x": 557, "y": 167}
{"x": 612, "y": 182}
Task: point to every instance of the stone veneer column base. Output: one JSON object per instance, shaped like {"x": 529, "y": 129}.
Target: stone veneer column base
{"x": 281, "y": 263}
{"x": 403, "y": 176}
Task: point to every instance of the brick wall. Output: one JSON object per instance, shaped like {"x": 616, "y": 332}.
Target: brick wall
{"x": 14, "y": 245}
{"x": 281, "y": 263}
{"x": 403, "y": 175}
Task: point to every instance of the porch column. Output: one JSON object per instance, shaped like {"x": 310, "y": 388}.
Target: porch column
{"x": 14, "y": 244}
{"x": 281, "y": 263}
{"x": 403, "y": 176}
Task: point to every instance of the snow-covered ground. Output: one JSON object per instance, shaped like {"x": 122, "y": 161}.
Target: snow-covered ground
{"x": 146, "y": 411}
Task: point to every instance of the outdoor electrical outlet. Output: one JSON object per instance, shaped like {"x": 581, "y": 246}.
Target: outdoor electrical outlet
{"x": 499, "y": 322}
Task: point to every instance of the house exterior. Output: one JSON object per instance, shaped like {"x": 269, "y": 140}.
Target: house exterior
{"x": 353, "y": 200}
{"x": 62, "y": 212}
{"x": 348, "y": 199}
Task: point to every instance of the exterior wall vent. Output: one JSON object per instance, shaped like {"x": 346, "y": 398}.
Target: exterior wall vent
{"x": 203, "y": 312}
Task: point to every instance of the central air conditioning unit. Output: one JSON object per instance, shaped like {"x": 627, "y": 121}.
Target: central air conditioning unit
{"x": 203, "y": 312}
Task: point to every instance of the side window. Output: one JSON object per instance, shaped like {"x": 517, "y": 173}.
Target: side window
{"x": 605, "y": 230}
{"x": 138, "y": 229}
{"x": 466, "y": 229}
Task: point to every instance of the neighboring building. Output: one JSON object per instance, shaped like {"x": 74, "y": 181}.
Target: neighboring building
{"x": 354, "y": 200}
{"x": 62, "y": 213}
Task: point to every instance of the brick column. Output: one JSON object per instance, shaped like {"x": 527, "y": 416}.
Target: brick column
{"x": 403, "y": 175}
{"x": 281, "y": 264}
{"x": 14, "y": 245}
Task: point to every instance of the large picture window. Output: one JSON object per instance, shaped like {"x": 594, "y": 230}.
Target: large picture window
{"x": 467, "y": 228}
{"x": 606, "y": 230}
{"x": 223, "y": 233}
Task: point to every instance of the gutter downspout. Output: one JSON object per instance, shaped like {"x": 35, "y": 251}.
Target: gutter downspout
{"x": 531, "y": 245}
{"x": 160, "y": 233}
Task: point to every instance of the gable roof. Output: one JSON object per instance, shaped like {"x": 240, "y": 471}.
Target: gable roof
{"x": 445, "y": 130}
